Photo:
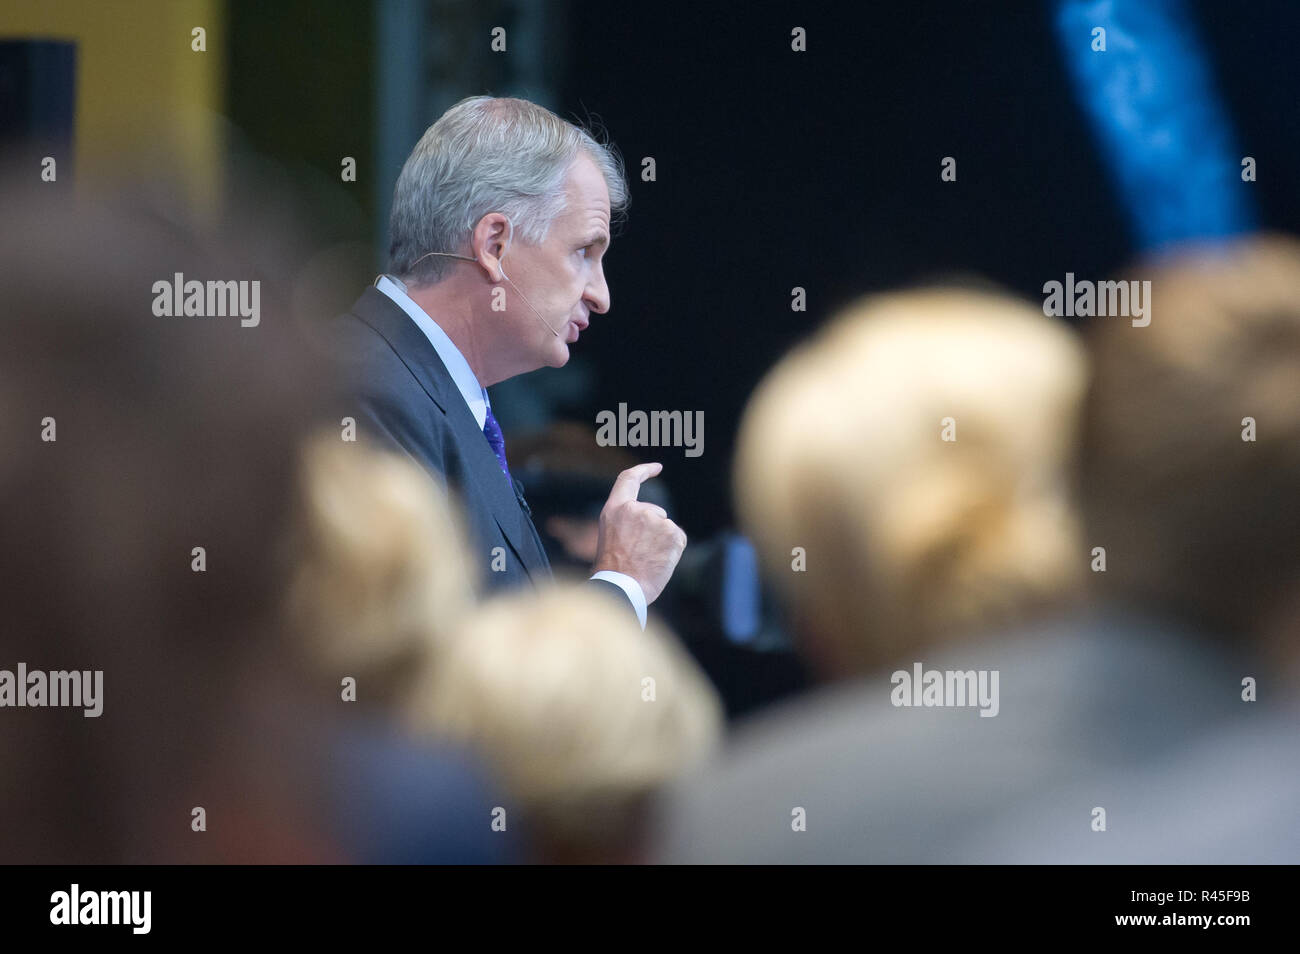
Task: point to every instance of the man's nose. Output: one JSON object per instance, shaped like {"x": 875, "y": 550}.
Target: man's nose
{"x": 597, "y": 295}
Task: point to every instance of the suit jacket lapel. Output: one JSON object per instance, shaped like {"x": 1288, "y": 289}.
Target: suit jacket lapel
{"x": 382, "y": 313}
{"x": 483, "y": 476}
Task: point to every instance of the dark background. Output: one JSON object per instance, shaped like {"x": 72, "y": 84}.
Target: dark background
{"x": 775, "y": 168}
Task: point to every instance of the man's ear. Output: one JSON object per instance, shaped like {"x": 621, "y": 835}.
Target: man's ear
{"x": 489, "y": 242}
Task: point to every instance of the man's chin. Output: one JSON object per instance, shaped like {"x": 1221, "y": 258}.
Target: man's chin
{"x": 559, "y": 355}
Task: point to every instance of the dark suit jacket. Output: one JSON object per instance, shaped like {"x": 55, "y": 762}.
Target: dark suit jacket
{"x": 403, "y": 396}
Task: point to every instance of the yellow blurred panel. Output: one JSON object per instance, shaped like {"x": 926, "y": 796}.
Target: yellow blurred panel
{"x": 147, "y": 103}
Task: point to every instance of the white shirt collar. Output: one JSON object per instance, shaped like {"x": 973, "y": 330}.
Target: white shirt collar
{"x": 475, "y": 395}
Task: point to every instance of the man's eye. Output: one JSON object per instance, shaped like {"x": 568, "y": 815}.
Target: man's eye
{"x": 583, "y": 250}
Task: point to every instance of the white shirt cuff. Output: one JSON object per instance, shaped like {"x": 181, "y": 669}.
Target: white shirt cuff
{"x": 629, "y": 586}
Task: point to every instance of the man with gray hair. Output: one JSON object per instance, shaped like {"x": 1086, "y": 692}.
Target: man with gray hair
{"x": 494, "y": 179}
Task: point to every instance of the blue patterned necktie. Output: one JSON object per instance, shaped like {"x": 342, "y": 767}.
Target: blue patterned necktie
{"x": 496, "y": 440}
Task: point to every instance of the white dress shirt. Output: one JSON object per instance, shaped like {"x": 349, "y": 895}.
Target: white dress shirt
{"x": 476, "y": 397}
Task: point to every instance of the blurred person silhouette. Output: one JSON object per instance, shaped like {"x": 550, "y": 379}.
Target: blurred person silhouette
{"x": 380, "y": 581}
{"x": 916, "y": 457}
{"x": 1190, "y": 469}
{"x": 148, "y": 487}
{"x": 382, "y": 575}
{"x": 1117, "y": 723}
{"x": 907, "y": 476}
{"x": 582, "y": 715}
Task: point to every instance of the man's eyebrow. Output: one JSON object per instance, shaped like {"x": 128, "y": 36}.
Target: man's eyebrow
{"x": 597, "y": 238}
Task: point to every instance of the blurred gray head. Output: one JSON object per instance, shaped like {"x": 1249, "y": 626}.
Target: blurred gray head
{"x": 484, "y": 155}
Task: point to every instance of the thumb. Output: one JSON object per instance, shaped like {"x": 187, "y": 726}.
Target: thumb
{"x": 628, "y": 484}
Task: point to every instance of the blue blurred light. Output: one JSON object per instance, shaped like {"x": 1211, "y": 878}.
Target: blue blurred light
{"x": 1160, "y": 127}
{"x": 741, "y": 612}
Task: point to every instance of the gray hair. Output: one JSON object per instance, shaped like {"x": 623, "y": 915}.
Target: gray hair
{"x": 484, "y": 155}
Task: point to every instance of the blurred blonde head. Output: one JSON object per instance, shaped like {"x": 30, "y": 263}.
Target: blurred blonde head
{"x": 909, "y": 538}
{"x": 581, "y": 713}
{"x": 382, "y": 573}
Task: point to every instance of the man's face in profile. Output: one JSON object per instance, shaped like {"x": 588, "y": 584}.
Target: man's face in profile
{"x": 563, "y": 277}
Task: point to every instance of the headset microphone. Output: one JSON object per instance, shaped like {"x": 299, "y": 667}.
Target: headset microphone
{"x": 545, "y": 323}
{"x": 501, "y": 269}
